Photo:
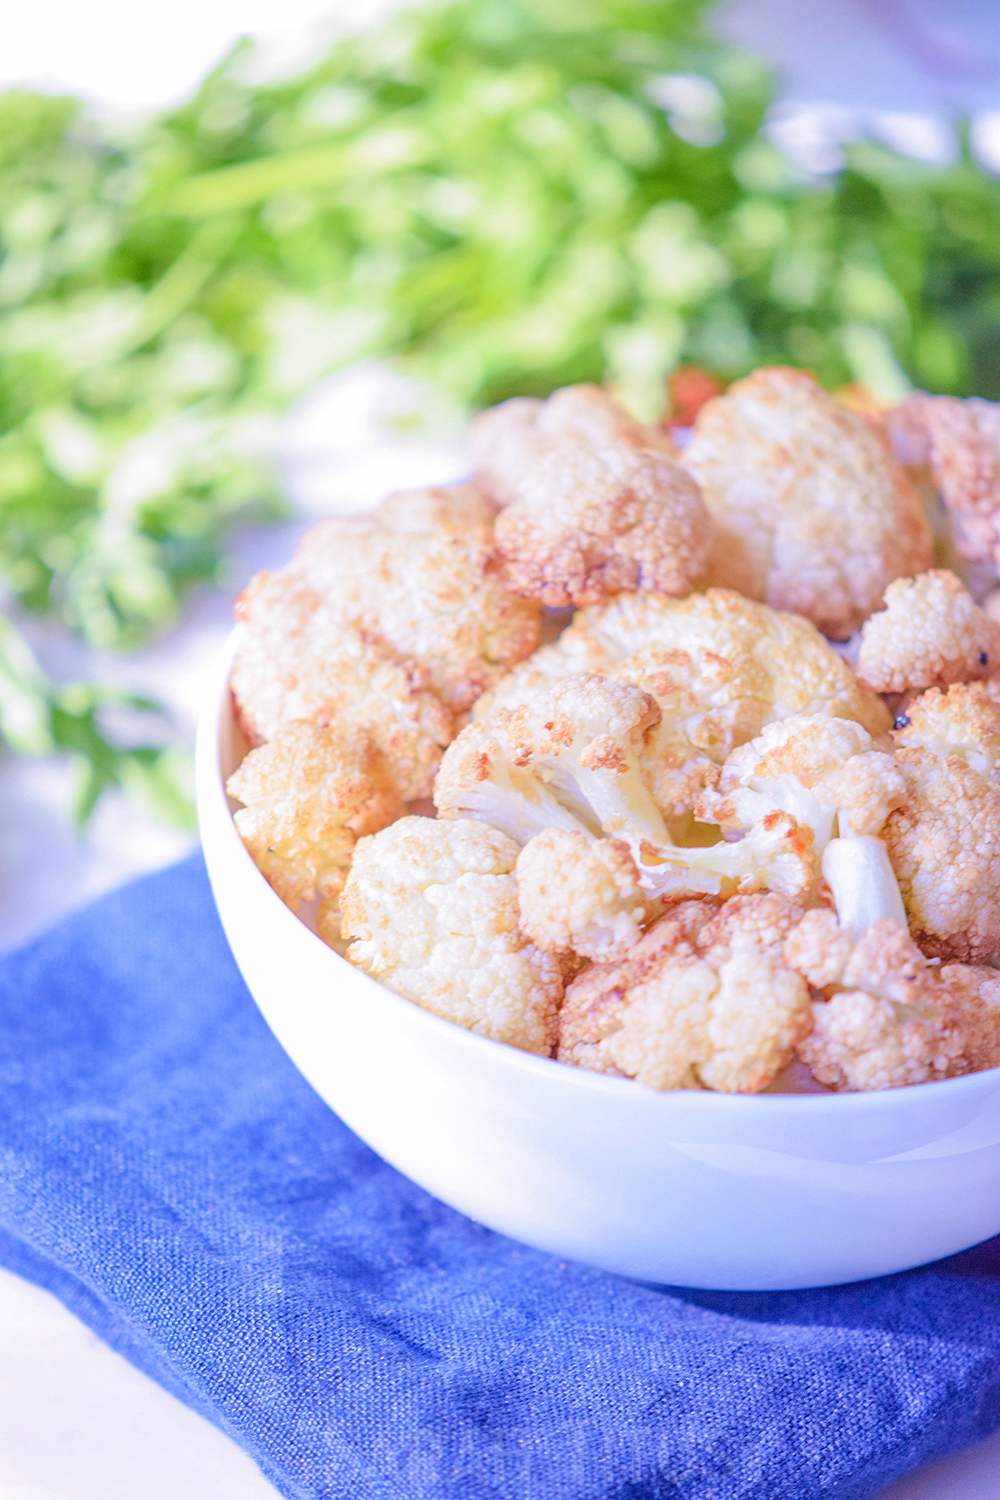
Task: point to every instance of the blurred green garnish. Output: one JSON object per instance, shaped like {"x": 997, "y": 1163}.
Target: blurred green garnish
{"x": 511, "y": 194}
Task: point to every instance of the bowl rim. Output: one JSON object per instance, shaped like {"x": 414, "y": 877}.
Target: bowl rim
{"x": 213, "y": 799}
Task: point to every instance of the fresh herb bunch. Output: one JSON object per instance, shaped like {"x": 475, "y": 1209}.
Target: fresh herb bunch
{"x": 511, "y": 194}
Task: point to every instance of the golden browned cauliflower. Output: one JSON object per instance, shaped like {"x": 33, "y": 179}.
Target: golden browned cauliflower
{"x": 580, "y": 895}
{"x": 577, "y": 757}
{"x": 930, "y": 633}
{"x": 308, "y": 794}
{"x": 812, "y": 511}
{"x": 567, "y": 758}
{"x": 884, "y": 1016}
{"x": 825, "y": 772}
{"x": 430, "y": 909}
{"x": 406, "y": 611}
{"x": 958, "y": 440}
{"x": 773, "y": 663}
{"x": 703, "y": 1000}
{"x": 944, "y": 841}
{"x": 506, "y": 441}
{"x": 297, "y": 661}
{"x": 587, "y": 524}
{"x": 595, "y": 503}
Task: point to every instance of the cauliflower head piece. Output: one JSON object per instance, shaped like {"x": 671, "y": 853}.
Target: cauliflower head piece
{"x": 431, "y": 911}
{"x": 824, "y": 771}
{"x": 580, "y": 895}
{"x": 812, "y": 511}
{"x": 705, "y": 999}
{"x": 958, "y": 441}
{"x": 930, "y": 633}
{"x": 296, "y": 661}
{"x": 587, "y": 524}
{"x": 944, "y": 841}
{"x": 594, "y": 502}
{"x": 307, "y": 795}
{"x": 410, "y": 593}
{"x": 720, "y": 667}
{"x": 569, "y": 757}
{"x": 884, "y": 1017}
{"x": 507, "y": 441}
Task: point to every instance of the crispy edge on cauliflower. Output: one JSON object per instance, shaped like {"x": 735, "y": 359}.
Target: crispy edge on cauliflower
{"x": 884, "y": 1017}
{"x": 812, "y": 511}
{"x": 430, "y": 910}
{"x": 944, "y": 841}
{"x": 508, "y": 440}
{"x": 308, "y": 794}
{"x": 589, "y": 523}
{"x": 959, "y": 441}
{"x": 930, "y": 633}
{"x": 569, "y": 758}
{"x": 703, "y": 1000}
{"x": 580, "y": 895}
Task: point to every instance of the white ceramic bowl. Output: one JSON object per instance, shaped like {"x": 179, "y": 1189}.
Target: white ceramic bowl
{"x": 689, "y": 1188}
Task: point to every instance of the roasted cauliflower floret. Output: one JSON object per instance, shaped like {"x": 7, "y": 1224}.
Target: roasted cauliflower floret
{"x": 930, "y": 633}
{"x": 959, "y": 442}
{"x": 567, "y": 758}
{"x": 963, "y": 721}
{"x": 437, "y": 598}
{"x": 431, "y": 911}
{"x": 586, "y": 524}
{"x": 296, "y": 661}
{"x": 307, "y": 795}
{"x": 703, "y": 1000}
{"x": 507, "y": 441}
{"x": 705, "y": 709}
{"x": 595, "y": 503}
{"x": 887, "y": 1017}
{"x": 776, "y": 663}
{"x": 944, "y": 842}
{"x": 580, "y": 895}
{"x": 364, "y": 601}
{"x": 824, "y": 771}
{"x": 812, "y": 512}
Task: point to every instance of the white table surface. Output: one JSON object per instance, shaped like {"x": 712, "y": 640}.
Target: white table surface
{"x": 77, "y": 1422}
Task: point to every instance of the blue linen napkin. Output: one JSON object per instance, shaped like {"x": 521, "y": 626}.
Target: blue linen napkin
{"x": 169, "y": 1175}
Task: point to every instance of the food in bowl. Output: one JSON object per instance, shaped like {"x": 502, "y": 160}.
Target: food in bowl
{"x": 686, "y": 842}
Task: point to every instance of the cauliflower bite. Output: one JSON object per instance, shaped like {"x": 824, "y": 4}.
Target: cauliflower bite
{"x": 587, "y": 524}
{"x": 296, "y": 662}
{"x": 568, "y": 758}
{"x": 428, "y": 606}
{"x": 930, "y": 633}
{"x": 307, "y": 795}
{"x": 703, "y": 1000}
{"x": 812, "y": 511}
{"x": 959, "y": 442}
{"x": 888, "y": 1017}
{"x": 431, "y": 911}
{"x": 825, "y": 772}
{"x": 580, "y": 895}
{"x": 944, "y": 841}
{"x": 776, "y": 663}
{"x": 506, "y": 441}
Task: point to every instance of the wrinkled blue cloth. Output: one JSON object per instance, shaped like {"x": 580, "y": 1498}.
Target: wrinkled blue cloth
{"x": 168, "y": 1174}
